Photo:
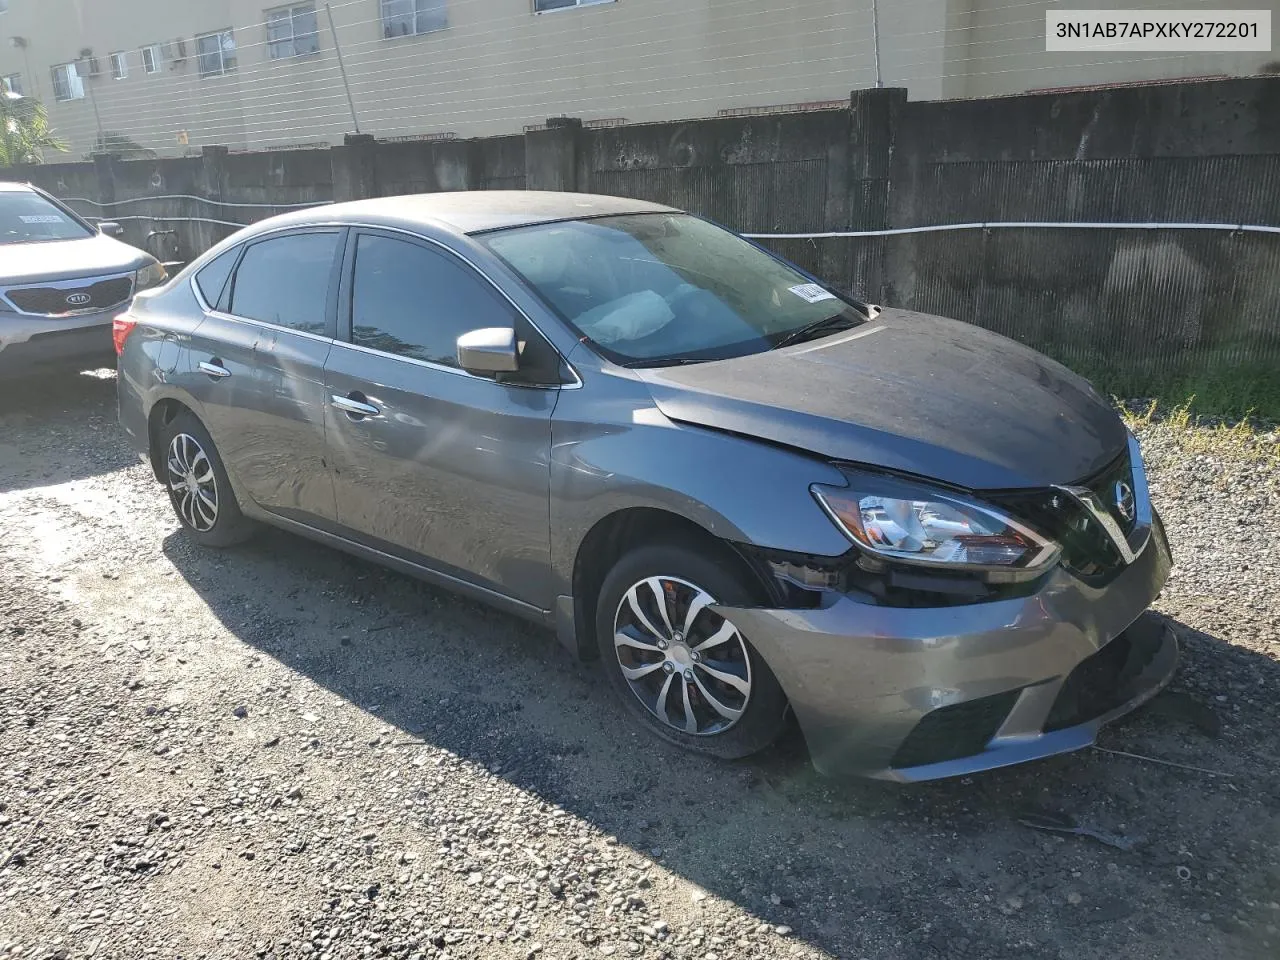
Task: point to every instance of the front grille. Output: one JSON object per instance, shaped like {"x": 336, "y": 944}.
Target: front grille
{"x": 53, "y": 301}
{"x": 1104, "y": 681}
{"x": 1104, "y": 486}
{"x": 955, "y": 731}
{"x": 1087, "y": 551}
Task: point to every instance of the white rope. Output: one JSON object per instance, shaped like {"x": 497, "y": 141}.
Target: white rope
{"x": 188, "y": 196}
{"x": 225, "y": 223}
{"x": 1015, "y": 225}
{"x": 828, "y": 235}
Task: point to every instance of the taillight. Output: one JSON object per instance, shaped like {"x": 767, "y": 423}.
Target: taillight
{"x": 121, "y": 326}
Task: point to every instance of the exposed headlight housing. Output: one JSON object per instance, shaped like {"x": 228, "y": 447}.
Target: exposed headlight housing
{"x": 912, "y": 523}
{"x": 152, "y": 275}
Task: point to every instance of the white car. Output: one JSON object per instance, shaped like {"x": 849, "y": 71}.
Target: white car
{"x": 61, "y": 281}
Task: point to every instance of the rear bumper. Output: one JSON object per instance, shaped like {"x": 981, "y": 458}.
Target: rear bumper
{"x": 916, "y": 694}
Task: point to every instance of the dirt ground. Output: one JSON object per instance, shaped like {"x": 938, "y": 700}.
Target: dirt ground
{"x": 280, "y": 751}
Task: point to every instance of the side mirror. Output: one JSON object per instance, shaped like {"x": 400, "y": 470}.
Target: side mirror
{"x": 489, "y": 350}
{"x": 111, "y": 229}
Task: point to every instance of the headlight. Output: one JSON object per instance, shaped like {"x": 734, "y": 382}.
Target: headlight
{"x": 151, "y": 275}
{"x": 915, "y": 524}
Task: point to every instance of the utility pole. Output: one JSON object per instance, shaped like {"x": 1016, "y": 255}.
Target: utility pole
{"x": 875, "y": 39}
{"x": 87, "y": 81}
{"x": 337, "y": 46}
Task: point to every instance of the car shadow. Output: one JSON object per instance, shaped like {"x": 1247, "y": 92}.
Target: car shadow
{"x": 58, "y": 404}
{"x": 851, "y": 867}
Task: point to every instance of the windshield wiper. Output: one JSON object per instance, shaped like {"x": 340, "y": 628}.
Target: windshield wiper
{"x": 666, "y": 362}
{"x": 811, "y": 331}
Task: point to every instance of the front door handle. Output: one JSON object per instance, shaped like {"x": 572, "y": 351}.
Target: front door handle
{"x": 353, "y": 407}
{"x": 214, "y": 368}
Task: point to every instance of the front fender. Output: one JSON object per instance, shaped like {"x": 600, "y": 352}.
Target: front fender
{"x": 618, "y": 451}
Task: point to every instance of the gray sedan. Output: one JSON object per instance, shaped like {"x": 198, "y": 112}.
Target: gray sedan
{"x": 749, "y": 495}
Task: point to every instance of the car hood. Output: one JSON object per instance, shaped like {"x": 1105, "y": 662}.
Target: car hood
{"x": 67, "y": 259}
{"x": 912, "y": 393}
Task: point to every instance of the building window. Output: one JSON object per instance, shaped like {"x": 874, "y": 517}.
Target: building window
{"x": 292, "y": 32}
{"x": 216, "y": 53}
{"x": 405, "y": 18}
{"x": 67, "y": 84}
{"x": 542, "y": 6}
{"x": 12, "y": 83}
{"x": 151, "y": 58}
{"x": 119, "y": 66}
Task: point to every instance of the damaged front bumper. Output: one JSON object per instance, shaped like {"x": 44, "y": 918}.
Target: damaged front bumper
{"x": 920, "y": 693}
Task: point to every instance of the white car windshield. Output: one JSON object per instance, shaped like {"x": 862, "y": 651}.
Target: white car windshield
{"x": 653, "y": 289}
{"x": 27, "y": 217}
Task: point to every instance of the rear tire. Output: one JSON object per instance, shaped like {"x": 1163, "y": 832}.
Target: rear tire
{"x": 198, "y": 486}
{"x": 693, "y": 680}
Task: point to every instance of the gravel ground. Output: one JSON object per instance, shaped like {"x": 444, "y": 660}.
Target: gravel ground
{"x": 279, "y": 751}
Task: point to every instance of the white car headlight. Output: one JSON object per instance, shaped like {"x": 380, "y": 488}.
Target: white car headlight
{"x": 912, "y": 523}
{"x": 153, "y": 274}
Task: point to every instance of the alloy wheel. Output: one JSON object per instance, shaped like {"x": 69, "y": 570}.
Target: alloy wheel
{"x": 192, "y": 483}
{"x": 686, "y": 664}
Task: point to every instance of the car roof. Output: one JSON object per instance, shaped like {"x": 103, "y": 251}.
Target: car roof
{"x": 8, "y": 186}
{"x": 472, "y": 211}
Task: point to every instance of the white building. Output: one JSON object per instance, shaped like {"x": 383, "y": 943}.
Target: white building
{"x": 172, "y": 75}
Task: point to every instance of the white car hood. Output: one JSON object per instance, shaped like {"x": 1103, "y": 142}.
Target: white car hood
{"x": 23, "y": 263}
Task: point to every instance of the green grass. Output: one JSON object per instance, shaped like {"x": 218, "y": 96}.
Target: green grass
{"x": 1248, "y": 439}
{"x": 1237, "y": 394}
{"x": 1207, "y": 385}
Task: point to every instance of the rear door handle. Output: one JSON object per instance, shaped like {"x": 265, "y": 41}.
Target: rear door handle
{"x": 214, "y": 368}
{"x": 356, "y": 408}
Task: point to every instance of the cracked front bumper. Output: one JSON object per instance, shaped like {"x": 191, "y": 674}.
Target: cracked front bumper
{"x": 921, "y": 693}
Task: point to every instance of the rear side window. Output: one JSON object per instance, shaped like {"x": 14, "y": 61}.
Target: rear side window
{"x": 212, "y": 277}
{"x": 285, "y": 281}
{"x": 414, "y": 302}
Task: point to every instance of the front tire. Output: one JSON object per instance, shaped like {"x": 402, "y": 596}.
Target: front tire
{"x": 686, "y": 673}
{"x": 198, "y": 485}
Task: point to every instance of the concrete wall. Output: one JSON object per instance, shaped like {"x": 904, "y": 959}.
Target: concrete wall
{"x": 497, "y": 66}
{"x": 1133, "y": 307}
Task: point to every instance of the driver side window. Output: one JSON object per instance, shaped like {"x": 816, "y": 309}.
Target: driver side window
{"x": 412, "y": 301}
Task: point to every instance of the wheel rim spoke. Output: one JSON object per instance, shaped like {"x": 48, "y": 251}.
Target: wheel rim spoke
{"x": 633, "y": 638}
{"x": 186, "y": 508}
{"x": 638, "y": 673}
{"x": 726, "y": 633}
{"x": 201, "y": 468}
{"x": 719, "y": 706}
{"x": 660, "y": 598}
{"x": 633, "y": 600}
{"x": 690, "y": 718}
{"x": 660, "y": 705}
{"x": 724, "y": 673}
{"x": 207, "y": 508}
{"x": 699, "y": 603}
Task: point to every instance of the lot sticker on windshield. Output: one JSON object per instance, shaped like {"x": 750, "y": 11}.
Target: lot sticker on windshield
{"x": 811, "y": 292}
{"x": 42, "y": 218}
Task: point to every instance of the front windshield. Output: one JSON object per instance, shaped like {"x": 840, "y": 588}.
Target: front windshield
{"x": 653, "y": 289}
{"x": 27, "y": 217}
